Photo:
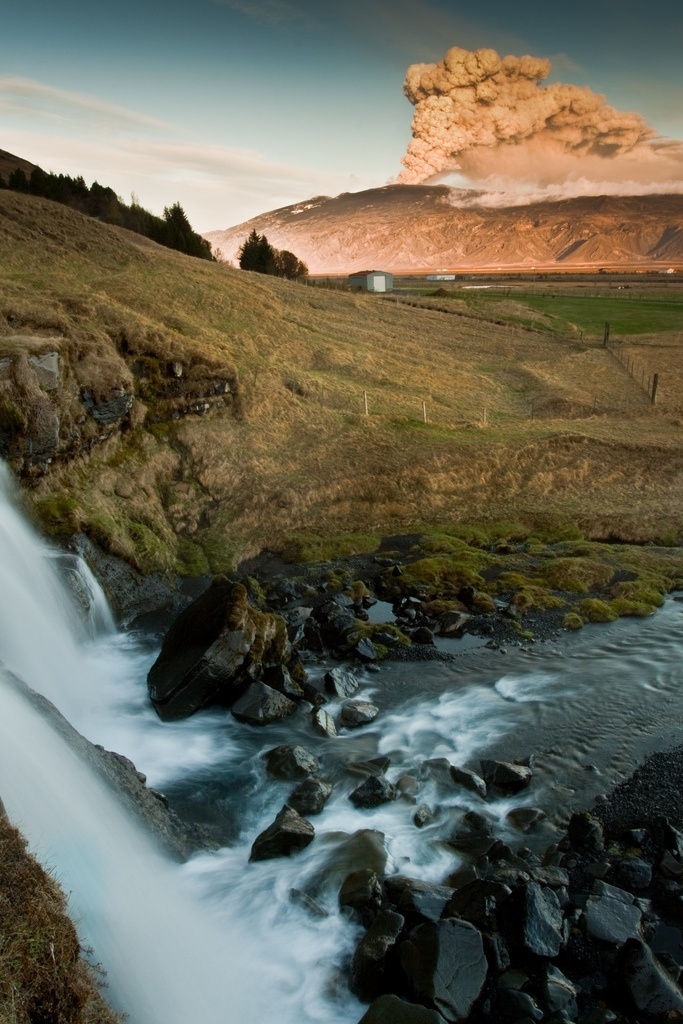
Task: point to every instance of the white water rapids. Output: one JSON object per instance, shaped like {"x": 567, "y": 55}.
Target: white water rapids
{"x": 219, "y": 940}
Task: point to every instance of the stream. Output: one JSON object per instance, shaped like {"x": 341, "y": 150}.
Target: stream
{"x": 219, "y": 940}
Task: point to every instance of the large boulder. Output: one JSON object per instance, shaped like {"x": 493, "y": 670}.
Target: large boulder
{"x": 216, "y": 646}
{"x": 287, "y": 834}
{"x": 446, "y": 967}
{"x": 261, "y": 705}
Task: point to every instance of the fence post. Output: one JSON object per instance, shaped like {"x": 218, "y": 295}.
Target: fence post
{"x": 424, "y": 412}
{"x": 605, "y": 339}
{"x": 365, "y": 402}
{"x": 655, "y": 385}
{"x": 486, "y": 417}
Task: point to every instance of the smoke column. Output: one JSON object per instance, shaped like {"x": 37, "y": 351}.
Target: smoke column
{"x": 474, "y": 102}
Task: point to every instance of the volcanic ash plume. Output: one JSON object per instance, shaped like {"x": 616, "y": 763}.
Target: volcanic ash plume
{"x": 476, "y": 101}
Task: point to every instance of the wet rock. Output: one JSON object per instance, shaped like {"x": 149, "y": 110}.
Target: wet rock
{"x": 423, "y": 815}
{"x": 517, "y": 1005}
{"x": 452, "y": 624}
{"x": 211, "y": 648}
{"x": 468, "y": 779}
{"x": 504, "y": 776}
{"x": 652, "y": 991}
{"x": 261, "y": 705}
{"x": 439, "y": 768}
{"x": 290, "y": 761}
{"x": 308, "y": 902}
{"x": 376, "y": 790}
{"x": 361, "y": 892}
{"x": 358, "y": 712}
{"x": 408, "y": 786}
{"x": 280, "y": 679}
{"x": 553, "y": 876}
{"x": 525, "y": 818}
{"x": 478, "y": 902}
{"x": 314, "y": 691}
{"x": 310, "y": 796}
{"x": 313, "y": 638}
{"x": 374, "y": 967}
{"x": 670, "y": 867}
{"x": 365, "y": 650}
{"x": 542, "y": 927}
{"x": 374, "y": 766}
{"x": 323, "y": 723}
{"x": 634, "y": 873}
{"x": 446, "y": 966}
{"x": 422, "y": 635}
{"x": 559, "y": 994}
{"x": 610, "y": 915}
{"x": 389, "y": 1009}
{"x": 285, "y": 836}
{"x": 341, "y": 683}
{"x": 585, "y": 832}
{"x": 418, "y": 900}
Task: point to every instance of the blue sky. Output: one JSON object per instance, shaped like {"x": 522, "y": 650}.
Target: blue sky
{"x": 234, "y": 107}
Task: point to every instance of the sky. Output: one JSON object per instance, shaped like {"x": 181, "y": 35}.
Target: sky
{"x": 236, "y": 107}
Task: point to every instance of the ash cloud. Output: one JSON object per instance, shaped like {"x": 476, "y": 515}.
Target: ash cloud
{"x": 481, "y": 114}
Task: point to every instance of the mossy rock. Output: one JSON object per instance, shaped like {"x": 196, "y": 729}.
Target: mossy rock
{"x": 573, "y": 621}
{"x": 577, "y": 575}
{"x": 626, "y": 608}
{"x": 592, "y": 609}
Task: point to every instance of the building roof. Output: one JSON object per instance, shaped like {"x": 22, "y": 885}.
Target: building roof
{"x": 366, "y": 273}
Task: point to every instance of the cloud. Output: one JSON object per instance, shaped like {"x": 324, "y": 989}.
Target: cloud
{"x": 265, "y": 12}
{"x": 25, "y": 96}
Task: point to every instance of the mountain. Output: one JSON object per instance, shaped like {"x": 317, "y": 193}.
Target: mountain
{"x": 9, "y": 162}
{"x": 404, "y": 228}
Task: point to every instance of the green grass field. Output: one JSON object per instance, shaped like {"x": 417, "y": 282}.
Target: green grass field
{"x": 625, "y": 315}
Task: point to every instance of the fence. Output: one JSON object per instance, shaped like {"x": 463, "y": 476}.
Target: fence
{"x": 637, "y": 372}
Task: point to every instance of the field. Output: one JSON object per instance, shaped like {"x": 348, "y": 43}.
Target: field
{"x": 528, "y": 416}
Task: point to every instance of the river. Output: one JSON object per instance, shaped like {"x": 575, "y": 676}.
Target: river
{"x": 219, "y": 940}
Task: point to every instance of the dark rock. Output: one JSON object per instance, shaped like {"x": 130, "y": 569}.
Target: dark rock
{"x": 358, "y": 712}
{"x": 314, "y": 692}
{"x": 439, "y": 768}
{"x": 552, "y": 876}
{"x": 341, "y": 683}
{"x": 361, "y": 892}
{"x": 515, "y": 1005}
{"x": 374, "y": 965}
{"x": 422, "y": 635}
{"x": 610, "y": 915}
{"x": 313, "y": 638}
{"x": 261, "y": 705}
{"x": 560, "y": 994}
{"x": 115, "y": 406}
{"x": 452, "y": 624}
{"x": 506, "y": 777}
{"x": 416, "y": 900}
{"x": 408, "y": 786}
{"x": 210, "y": 649}
{"x": 542, "y": 927}
{"x": 374, "y": 791}
{"x": 374, "y": 766}
{"x": 525, "y": 818}
{"x": 323, "y": 723}
{"x": 309, "y": 903}
{"x": 634, "y": 873}
{"x": 478, "y": 902}
{"x": 389, "y": 1009}
{"x": 670, "y": 867}
{"x": 651, "y": 990}
{"x": 585, "y": 832}
{"x": 280, "y": 679}
{"x": 290, "y": 761}
{"x": 365, "y": 650}
{"x": 285, "y": 836}
{"x": 466, "y": 596}
{"x": 446, "y": 966}
{"x": 423, "y": 816}
{"x": 469, "y": 780}
{"x": 310, "y": 796}
{"x": 337, "y": 630}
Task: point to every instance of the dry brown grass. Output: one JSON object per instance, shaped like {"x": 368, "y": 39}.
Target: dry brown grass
{"x": 303, "y": 457}
{"x": 43, "y": 977}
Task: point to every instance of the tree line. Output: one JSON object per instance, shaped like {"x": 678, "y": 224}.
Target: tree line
{"x": 172, "y": 230}
{"x": 256, "y": 253}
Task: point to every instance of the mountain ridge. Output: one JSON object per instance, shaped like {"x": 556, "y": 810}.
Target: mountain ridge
{"x": 418, "y": 228}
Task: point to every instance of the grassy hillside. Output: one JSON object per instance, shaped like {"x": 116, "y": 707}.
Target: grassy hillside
{"x": 286, "y": 455}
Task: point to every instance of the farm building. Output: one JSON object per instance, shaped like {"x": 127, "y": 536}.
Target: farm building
{"x": 372, "y": 281}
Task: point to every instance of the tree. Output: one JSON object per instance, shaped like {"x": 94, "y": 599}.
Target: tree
{"x": 290, "y": 266}
{"x": 257, "y": 254}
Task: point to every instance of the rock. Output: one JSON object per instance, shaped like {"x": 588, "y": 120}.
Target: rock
{"x": 469, "y": 780}
{"x": 279, "y": 679}
{"x": 417, "y": 900}
{"x": 261, "y": 705}
{"x": 478, "y": 902}
{"x": 650, "y": 988}
{"x": 610, "y": 915}
{"x": 439, "y": 768}
{"x": 560, "y": 994}
{"x": 423, "y": 816}
{"x": 518, "y": 1005}
{"x": 422, "y": 635}
{"x": 504, "y": 776}
{"x": 374, "y": 766}
{"x": 285, "y": 836}
{"x": 341, "y": 683}
{"x": 389, "y": 1009}
{"x": 525, "y": 818}
{"x": 309, "y": 903}
{"x": 213, "y": 646}
{"x": 452, "y": 623}
{"x": 115, "y": 406}
{"x": 361, "y": 892}
{"x": 314, "y": 692}
{"x": 374, "y": 791}
{"x": 542, "y": 926}
{"x": 323, "y": 723}
{"x": 446, "y": 966}
{"x": 365, "y": 650}
{"x": 46, "y": 369}
{"x": 408, "y": 786}
{"x": 310, "y": 796}
{"x": 355, "y": 713}
{"x": 634, "y": 873}
{"x": 670, "y": 867}
{"x": 374, "y": 964}
{"x": 585, "y": 832}
{"x": 290, "y": 761}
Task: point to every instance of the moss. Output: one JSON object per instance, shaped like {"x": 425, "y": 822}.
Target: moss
{"x": 594, "y": 610}
{"x": 257, "y": 594}
{"x": 440, "y": 607}
{"x": 191, "y": 560}
{"x": 483, "y": 603}
{"x": 311, "y": 547}
{"x": 358, "y": 590}
{"x": 58, "y": 514}
{"x": 624, "y": 607}
{"x": 12, "y": 417}
{"x": 368, "y": 630}
{"x": 638, "y": 591}
{"x": 578, "y": 575}
{"x": 443, "y": 574}
{"x": 572, "y": 620}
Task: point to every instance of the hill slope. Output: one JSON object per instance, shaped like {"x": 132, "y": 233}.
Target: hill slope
{"x": 9, "y": 162}
{"x": 405, "y": 228}
{"x": 185, "y": 414}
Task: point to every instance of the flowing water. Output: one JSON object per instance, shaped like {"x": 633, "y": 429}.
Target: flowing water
{"x": 219, "y": 940}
